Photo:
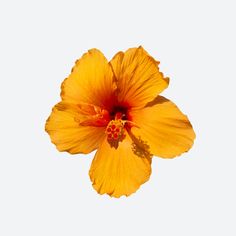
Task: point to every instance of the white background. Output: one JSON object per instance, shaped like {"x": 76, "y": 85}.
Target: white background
{"x": 45, "y": 192}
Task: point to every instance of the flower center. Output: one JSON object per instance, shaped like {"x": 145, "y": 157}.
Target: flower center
{"x": 119, "y": 112}
{"x": 115, "y": 130}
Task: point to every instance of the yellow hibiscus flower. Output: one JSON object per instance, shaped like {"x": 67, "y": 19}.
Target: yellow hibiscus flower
{"x": 115, "y": 107}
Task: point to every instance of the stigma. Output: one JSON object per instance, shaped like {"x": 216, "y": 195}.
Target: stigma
{"x": 115, "y": 131}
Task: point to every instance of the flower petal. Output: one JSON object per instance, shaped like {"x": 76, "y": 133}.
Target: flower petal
{"x": 166, "y": 129}
{"x": 63, "y": 126}
{"x": 138, "y": 77}
{"x": 119, "y": 171}
{"x": 91, "y": 81}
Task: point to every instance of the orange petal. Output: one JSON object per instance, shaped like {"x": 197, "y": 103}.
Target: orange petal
{"x": 91, "y": 81}
{"x": 166, "y": 129}
{"x": 63, "y": 126}
{"x": 138, "y": 77}
{"x": 93, "y": 115}
{"x": 119, "y": 171}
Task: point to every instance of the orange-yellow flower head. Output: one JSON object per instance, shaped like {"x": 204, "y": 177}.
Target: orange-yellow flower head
{"x": 115, "y": 107}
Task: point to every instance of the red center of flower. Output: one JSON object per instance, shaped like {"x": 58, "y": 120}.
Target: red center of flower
{"x": 116, "y": 121}
{"x": 120, "y": 121}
